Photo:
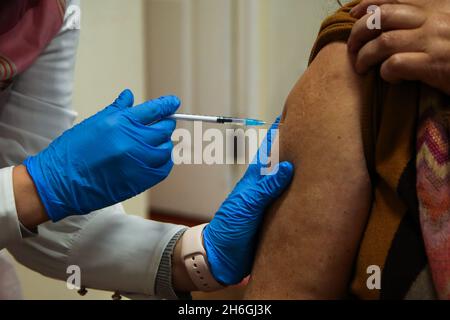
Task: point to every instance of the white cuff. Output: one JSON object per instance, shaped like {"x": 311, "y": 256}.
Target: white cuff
{"x": 9, "y": 222}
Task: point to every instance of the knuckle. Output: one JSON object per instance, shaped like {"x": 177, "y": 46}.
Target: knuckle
{"x": 395, "y": 62}
{"x": 167, "y": 150}
{"x": 393, "y": 65}
{"x": 385, "y": 40}
{"x": 111, "y": 122}
{"x": 422, "y": 40}
{"x": 165, "y": 134}
{"x": 121, "y": 149}
{"x": 440, "y": 25}
{"x": 166, "y": 138}
{"x": 129, "y": 115}
{"x": 165, "y": 157}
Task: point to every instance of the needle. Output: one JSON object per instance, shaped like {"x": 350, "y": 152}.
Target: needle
{"x": 222, "y": 120}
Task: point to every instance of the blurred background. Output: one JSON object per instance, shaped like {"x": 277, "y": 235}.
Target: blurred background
{"x": 222, "y": 57}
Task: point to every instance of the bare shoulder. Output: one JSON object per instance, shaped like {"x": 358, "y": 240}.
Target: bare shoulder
{"x": 312, "y": 233}
{"x": 325, "y": 106}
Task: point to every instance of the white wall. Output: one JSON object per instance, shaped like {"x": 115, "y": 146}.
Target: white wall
{"x": 190, "y": 54}
{"x": 291, "y": 28}
{"x": 111, "y": 57}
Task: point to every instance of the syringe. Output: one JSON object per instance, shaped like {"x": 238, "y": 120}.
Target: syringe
{"x": 221, "y": 120}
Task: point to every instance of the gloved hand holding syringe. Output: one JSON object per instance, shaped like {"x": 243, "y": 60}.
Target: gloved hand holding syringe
{"x": 118, "y": 153}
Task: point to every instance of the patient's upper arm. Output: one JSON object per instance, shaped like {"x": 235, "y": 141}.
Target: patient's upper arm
{"x": 311, "y": 235}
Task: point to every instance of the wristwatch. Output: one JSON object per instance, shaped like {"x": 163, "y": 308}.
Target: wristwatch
{"x": 194, "y": 256}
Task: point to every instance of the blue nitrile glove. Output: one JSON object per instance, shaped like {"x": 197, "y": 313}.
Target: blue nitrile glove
{"x": 114, "y": 155}
{"x": 230, "y": 238}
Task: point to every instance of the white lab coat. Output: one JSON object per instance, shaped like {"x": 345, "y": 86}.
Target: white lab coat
{"x": 115, "y": 251}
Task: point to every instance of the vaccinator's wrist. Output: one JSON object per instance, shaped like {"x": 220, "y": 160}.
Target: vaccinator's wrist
{"x": 54, "y": 208}
{"x": 30, "y": 209}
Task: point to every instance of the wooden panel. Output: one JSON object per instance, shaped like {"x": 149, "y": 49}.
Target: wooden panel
{"x": 174, "y": 218}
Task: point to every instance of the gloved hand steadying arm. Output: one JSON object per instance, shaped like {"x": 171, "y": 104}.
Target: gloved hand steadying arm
{"x": 230, "y": 238}
{"x": 114, "y": 155}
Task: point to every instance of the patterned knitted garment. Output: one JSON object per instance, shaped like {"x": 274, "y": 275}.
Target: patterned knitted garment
{"x": 433, "y": 189}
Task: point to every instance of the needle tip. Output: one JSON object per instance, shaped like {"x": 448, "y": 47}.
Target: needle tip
{"x": 254, "y": 122}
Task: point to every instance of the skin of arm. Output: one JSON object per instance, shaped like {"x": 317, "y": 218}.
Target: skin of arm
{"x": 312, "y": 233}
{"x": 30, "y": 210}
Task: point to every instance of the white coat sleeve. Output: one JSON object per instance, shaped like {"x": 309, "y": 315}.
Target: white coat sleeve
{"x": 114, "y": 251}
{"x": 9, "y": 223}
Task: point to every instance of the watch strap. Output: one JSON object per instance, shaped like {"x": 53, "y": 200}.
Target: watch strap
{"x": 195, "y": 260}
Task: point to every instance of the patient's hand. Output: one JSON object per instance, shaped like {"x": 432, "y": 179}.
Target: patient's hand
{"x": 311, "y": 235}
{"x": 412, "y": 45}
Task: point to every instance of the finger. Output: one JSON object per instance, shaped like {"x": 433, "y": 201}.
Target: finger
{"x": 159, "y": 156}
{"x": 392, "y": 17}
{"x": 160, "y": 132}
{"x": 244, "y": 283}
{"x": 271, "y": 135}
{"x": 271, "y": 186}
{"x": 276, "y": 124}
{"x": 165, "y": 169}
{"x": 155, "y": 110}
{"x": 125, "y": 100}
{"x": 264, "y": 151}
{"x": 410, "y": 66}
{"x": 360, "y": 10}
{"x": 361, "y": 34}
{"x": 386, "y": 45}
{"x": 160, "y": 173}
